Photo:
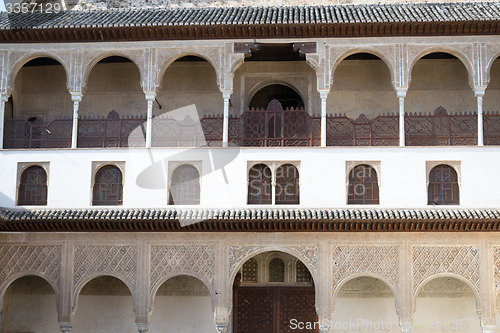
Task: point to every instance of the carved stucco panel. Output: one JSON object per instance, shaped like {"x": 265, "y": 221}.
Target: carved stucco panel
{"x": 198, "y": 260}
{"x": 43, "y": 260}
{"x": 496, "y": 267}
{"x": 309, "y": 254}
{"x": 431, "y": 260}
{"x": 237, "y": 254}
{"x": 101, "y": 260}
{"x": 375, "y": 260}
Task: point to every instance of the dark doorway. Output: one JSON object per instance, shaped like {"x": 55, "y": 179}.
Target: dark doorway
{"x": 287, "y": 96}
{"x": 274, "y": 309}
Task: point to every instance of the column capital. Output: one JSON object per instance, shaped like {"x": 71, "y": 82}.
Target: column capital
{"x": 479, "y": 91}
{"x": 401, "y": 91}
{"x": 323, "y": 93}
{"x": 226, "y": 93}
{"x": 65, "y": 327}
{"x": 142, "y": 327}
{"x": 150, "y": 95}
{"x": 76, "y": 96}
{"x": 405, "y": 325}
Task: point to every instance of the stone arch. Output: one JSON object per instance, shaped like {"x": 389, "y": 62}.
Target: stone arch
{"x": 452, "y": 51}
{"x": 488, "y": 66}
{"x": 382, "y": 278}
{"x": 253, "y": 251}
{"x": 77, "y": 289}
{"x": 158, "y": 284}
{"x": 12, "y": 278}
{"x": 467, "y": 282}
{"x": 261, "y": 85}
{"x": 373, "y": 51}
{"x": 25, "y": 58}
{"x": 90, "y": 64}
{"x": 172, "y": 57}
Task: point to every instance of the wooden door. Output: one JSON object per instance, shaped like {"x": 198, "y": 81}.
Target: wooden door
{"x": 270, "y": 309}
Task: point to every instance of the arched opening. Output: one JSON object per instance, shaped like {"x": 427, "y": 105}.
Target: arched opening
{"x": 104, "y": 305}
{"x": 363, "y": 186}
{"x": 182, "y": 304}
{"x": 108, "y": 186}
{"x": 259, "y": 185}
{"x": 33, "y": 187}
{"x": 113, "y": 106}
{"x": 365, "y": 304}
{"x": 440, "y": 105}
{"x": 38, "y": 115}
{"x": 362, "y": 105}
{"x": 272, "y": 292}
{"x": 287, "y": 96}
{"x": 491, "y": 101}
{"x": 184, "y": 186}
{"x": 443, "y": 188}
{"x": 446, "y": 304}
{"x": 29, "y": 305}
{"x": 189, "y": 107}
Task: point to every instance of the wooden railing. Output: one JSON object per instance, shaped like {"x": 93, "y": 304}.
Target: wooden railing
{"x": 254, "y": 128}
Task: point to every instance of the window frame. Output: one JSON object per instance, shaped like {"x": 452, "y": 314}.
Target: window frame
{"x": 96, "y": 167}
{"x": 453, "y": 165}
{"x": 350, "y": 166}
{"x": 172, "y": 167}
{"x": 21, "y": 168}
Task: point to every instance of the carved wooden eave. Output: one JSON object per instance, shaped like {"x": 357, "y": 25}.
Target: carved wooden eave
{"x": 152, "y": 33}
{"x": 251, "y": 220}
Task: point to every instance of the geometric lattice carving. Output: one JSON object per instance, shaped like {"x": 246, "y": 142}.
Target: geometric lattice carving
{"x": 196, "y": 259}
{"x": 118, "y": 260}
{"x": 44, "y": 260}
{"x": 496, "y": 266}
{"x": 459, "y": 260}
{"x": 378, "y": 260}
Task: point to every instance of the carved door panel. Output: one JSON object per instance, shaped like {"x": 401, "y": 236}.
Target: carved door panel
{"x": 269, "y": 310}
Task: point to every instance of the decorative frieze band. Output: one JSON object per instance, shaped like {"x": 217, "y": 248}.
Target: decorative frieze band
{"x": 459, "y": 260}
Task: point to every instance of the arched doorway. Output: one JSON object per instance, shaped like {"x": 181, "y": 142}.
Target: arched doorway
{"x": 274, "y": 293}
{"x": 29, "y": 305}
{"x": 182, "y": 304}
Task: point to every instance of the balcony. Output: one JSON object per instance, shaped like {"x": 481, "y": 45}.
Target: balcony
{"x": 271, "y": 127}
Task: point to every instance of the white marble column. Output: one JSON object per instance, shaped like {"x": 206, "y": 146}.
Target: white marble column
{"x": 3, "y": 99}
{"x": 401, "y": 93}
{"x": 479, "y": 92}
{"x": 150, "y": 97}
{"x": 323, "y": 95}
{"x": 76, "y": 97}
{"x": 226, "y": 94}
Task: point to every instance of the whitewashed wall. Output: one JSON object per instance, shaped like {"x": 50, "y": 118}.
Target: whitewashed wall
{"x": 322, "y": 171}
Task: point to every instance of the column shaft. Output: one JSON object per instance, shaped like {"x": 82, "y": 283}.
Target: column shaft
{"x": 150, "y": 97}
{"x": 480, "y": 130}
{"x": 76, "y": 97}
{"x": 225, "y": 125}
{"x": 401, "y": 93}
{"x": 323, "y": 95}
{"x": 3, "y": 100}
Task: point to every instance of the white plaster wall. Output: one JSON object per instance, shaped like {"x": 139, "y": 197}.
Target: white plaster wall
{"x": 186, "y": 314}
{"x": 32, "y": 313}
{"x": 104, "y": 314}
{"x": 322, "y": 172}
{"x": 365, "y": 315}
{"x": 451, "y": 315}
